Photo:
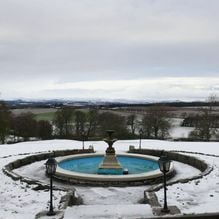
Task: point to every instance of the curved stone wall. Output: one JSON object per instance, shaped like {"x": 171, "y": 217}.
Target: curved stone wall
{"x": 149, "y": 194}
{"x": 8, "y": 169}
{"x": 190, "y": 160}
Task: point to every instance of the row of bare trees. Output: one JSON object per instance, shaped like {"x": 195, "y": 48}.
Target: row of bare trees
{"x": 26, "y": 126}
{"x": 206, "y": 122}
{"x": 22, "y": 126}
{"x": 4, "y": 121}
{"x": 93, "y": 124}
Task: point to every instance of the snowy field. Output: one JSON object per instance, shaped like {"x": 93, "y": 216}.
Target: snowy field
{"x": 177, "y": 131}
{"x": 18, "y": 200}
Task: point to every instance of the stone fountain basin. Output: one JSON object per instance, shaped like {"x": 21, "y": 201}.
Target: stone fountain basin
{"x": 83, "y": 178}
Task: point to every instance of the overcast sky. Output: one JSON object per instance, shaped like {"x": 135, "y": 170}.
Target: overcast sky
{"x": 109, "y": 49}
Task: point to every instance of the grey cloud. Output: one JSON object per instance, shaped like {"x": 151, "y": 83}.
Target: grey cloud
{"x": 84, "y": 40}
{"x": 96, "y": 60}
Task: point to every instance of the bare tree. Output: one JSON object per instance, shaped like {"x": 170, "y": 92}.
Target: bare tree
{"x": 80, "y": 122}
{"x": 4, "y": 121}
{"x": 112, "y": 121}
{"x": 155, "y": 123}
{"x": 63, "y": 122}
{"x": 205, "y": 127}
{"x": 131, "y": 122}
{"x": 44, "y": 130}
{"x": 92, "y": 122}
{"x": 24, "y": 125}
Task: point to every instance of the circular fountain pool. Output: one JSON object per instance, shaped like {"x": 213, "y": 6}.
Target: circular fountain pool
{"x": 90, "y": 165}
{"x": 83, "y": 169}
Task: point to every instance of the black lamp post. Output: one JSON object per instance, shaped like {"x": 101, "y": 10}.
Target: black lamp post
{"x": 140, "y": 136}
{"x": 51, "y": 165}
{"x": 164, "y": 164}
{"x": 83, "y": 139}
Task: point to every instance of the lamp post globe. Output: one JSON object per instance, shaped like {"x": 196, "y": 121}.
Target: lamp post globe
{"x": 51, "y": 165}
{"x": 164, "y": 165}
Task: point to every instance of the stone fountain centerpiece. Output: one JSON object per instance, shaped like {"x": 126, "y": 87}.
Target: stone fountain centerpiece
{"x": 110, "y": 163}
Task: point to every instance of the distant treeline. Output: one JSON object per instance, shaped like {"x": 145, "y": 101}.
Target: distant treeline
{"x": 13, "y": 104}
{"x": 92, "y": 124}
{"x": 69, "y": 122}
{"x": 195, "y": 120}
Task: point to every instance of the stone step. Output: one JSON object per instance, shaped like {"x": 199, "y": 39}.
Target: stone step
{"x": 133, "y": 211}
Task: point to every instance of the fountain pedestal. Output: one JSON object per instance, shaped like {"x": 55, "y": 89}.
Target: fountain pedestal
{"x": 110, "y": 164}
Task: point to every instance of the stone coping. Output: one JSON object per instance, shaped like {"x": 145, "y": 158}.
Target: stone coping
{"x": 72, "y": 176}
{"x": 176, "y": 156}
{"x": 190, "y": 216}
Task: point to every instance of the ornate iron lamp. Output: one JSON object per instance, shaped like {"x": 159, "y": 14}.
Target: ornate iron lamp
{"x": 51, "y": 165}
{"x": 164, "y": 164}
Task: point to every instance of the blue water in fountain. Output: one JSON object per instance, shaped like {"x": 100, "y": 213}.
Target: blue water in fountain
{"x": 90, "y": 165}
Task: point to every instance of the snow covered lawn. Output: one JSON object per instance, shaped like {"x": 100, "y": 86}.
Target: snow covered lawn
{"x": 18, "y": 200}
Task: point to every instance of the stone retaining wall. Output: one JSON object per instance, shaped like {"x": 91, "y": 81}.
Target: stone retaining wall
{"x": 191, "y": 216}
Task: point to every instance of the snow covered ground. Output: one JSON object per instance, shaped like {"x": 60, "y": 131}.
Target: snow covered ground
{"x": 18, "y": 200}
{"x": 177, "y": 131}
